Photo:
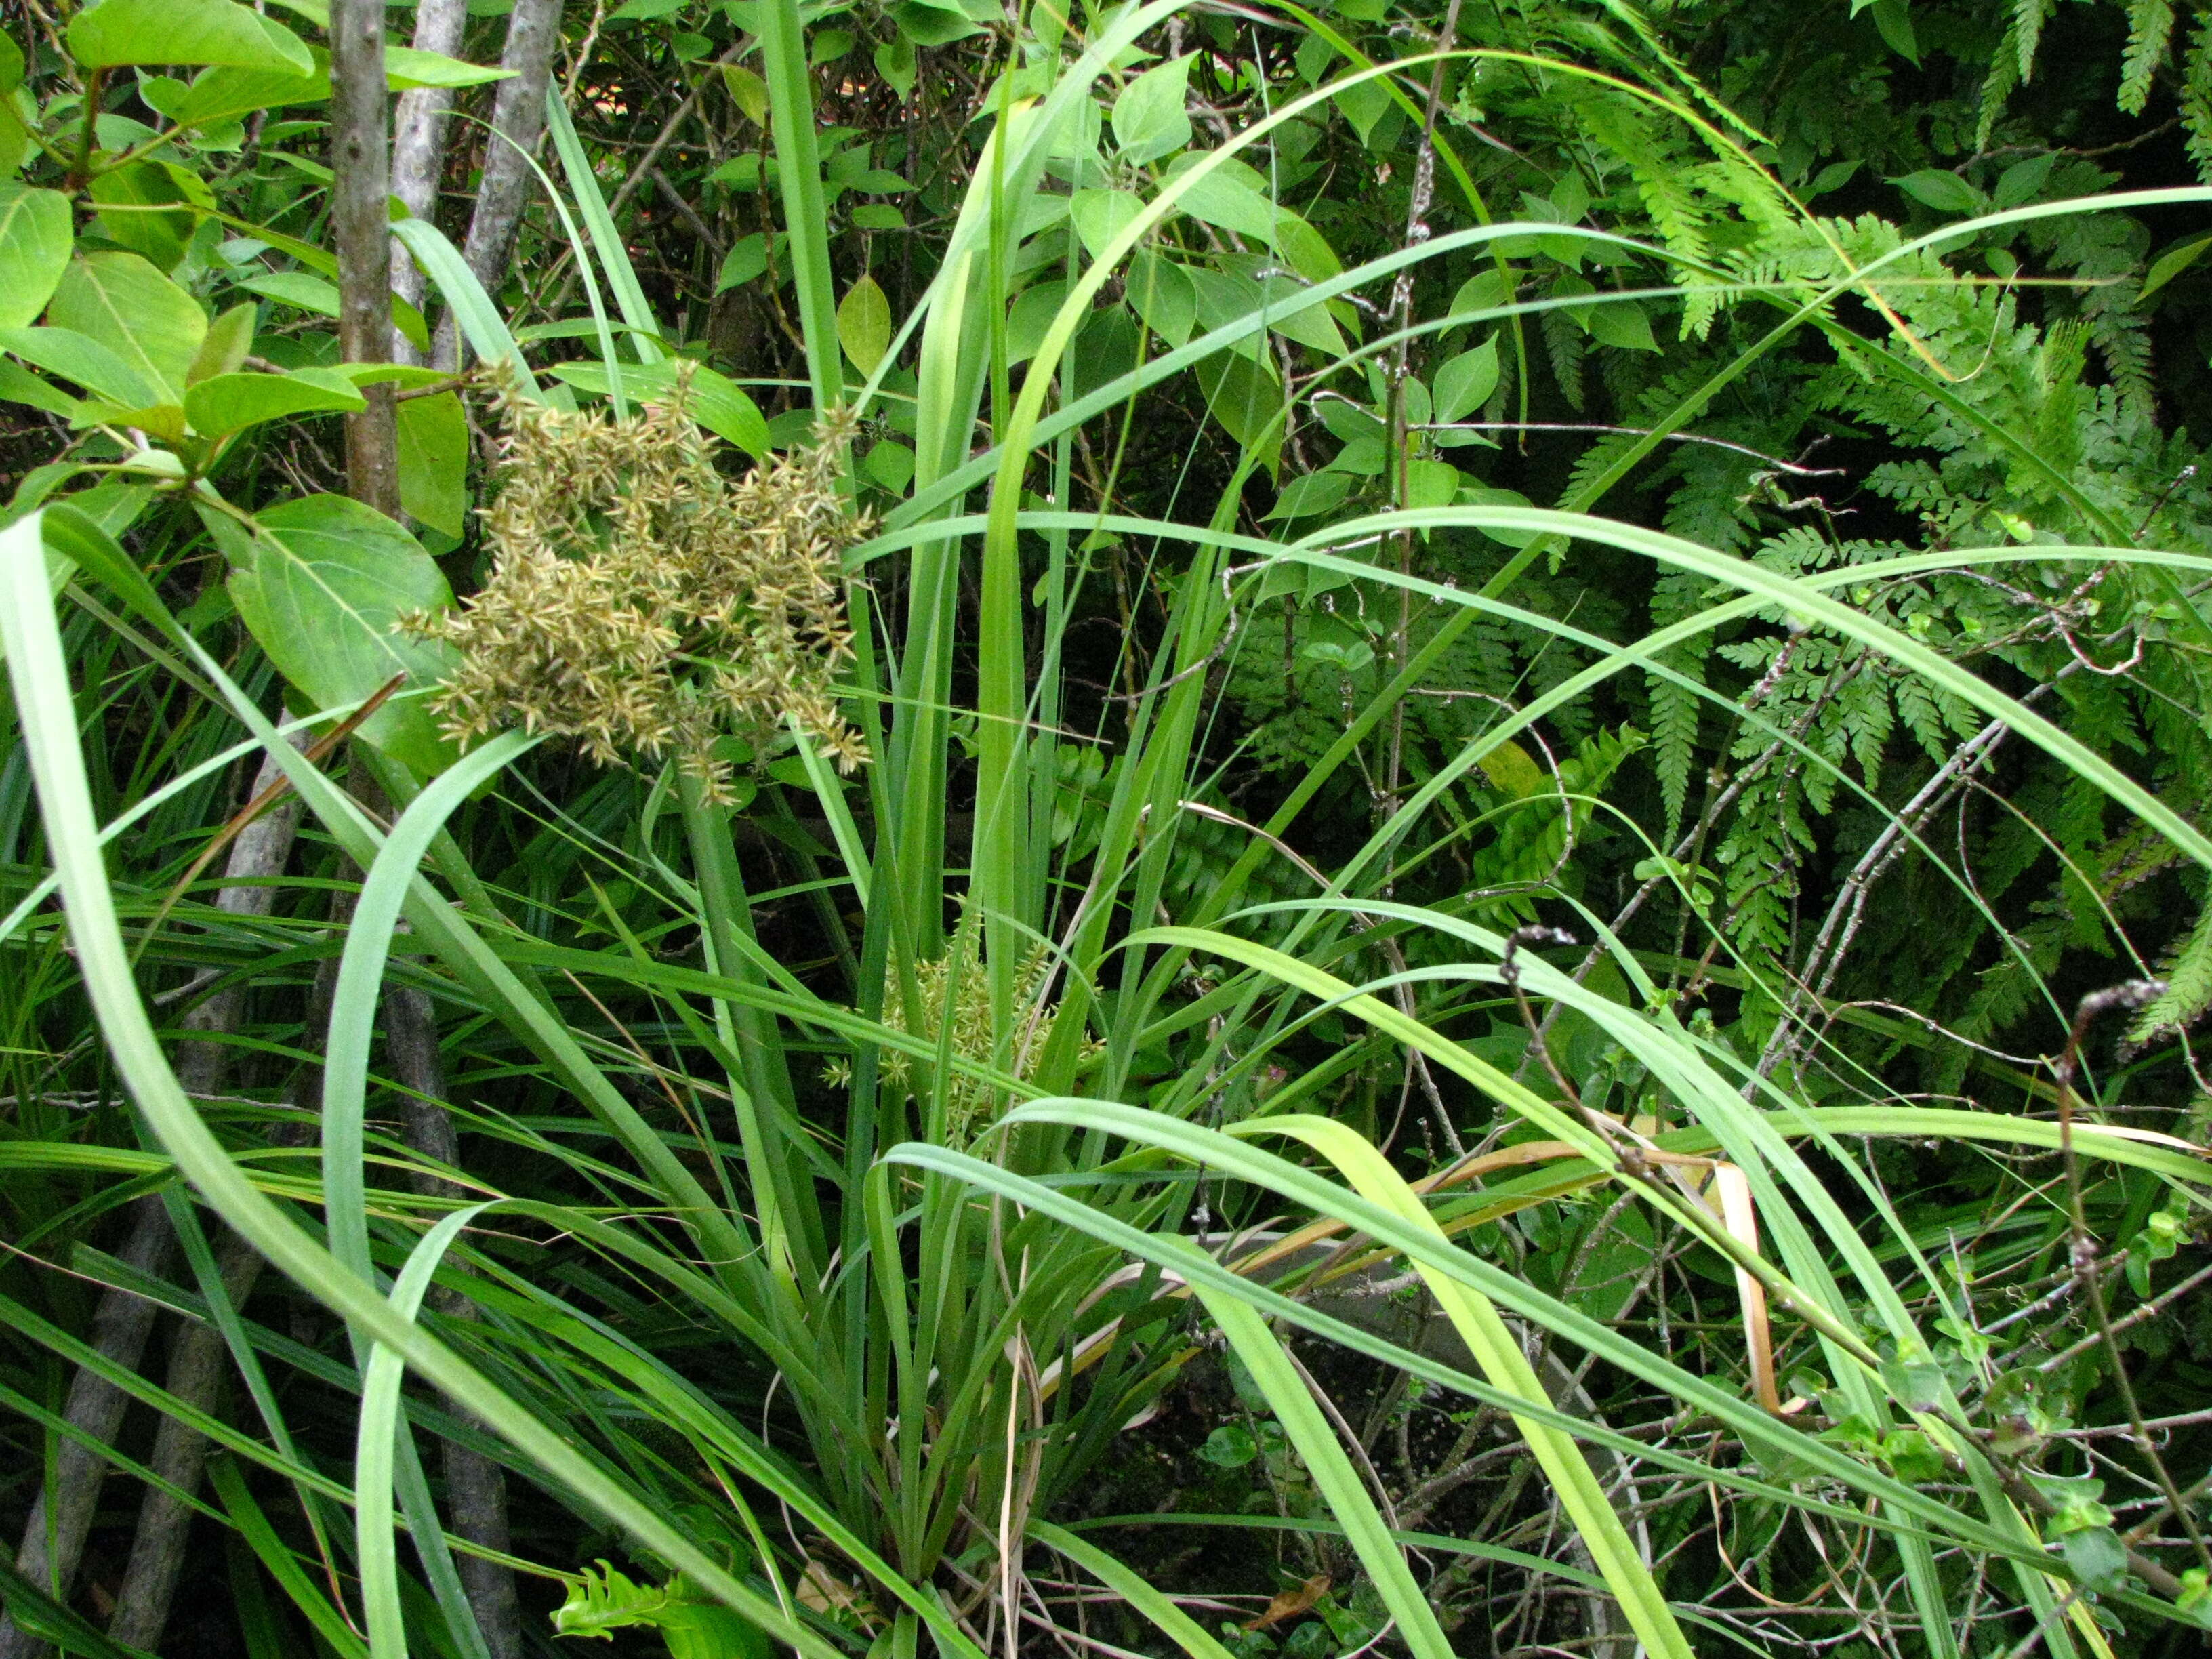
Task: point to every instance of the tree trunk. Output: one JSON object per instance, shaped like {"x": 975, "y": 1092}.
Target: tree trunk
{"x": 361, "y": 219}
{"x": 518, "y": 123}
{"x": 419, "y": 146}
{"x": 53, "y": 1537}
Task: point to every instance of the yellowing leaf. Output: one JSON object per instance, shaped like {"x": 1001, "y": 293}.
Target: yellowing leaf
{"x": 1510, "y": 768}
{"x": 749, "y": 90}
{"x": 863, "y": 324}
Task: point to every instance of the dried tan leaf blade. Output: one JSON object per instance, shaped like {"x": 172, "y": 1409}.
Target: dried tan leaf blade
{"x": 642, "y": 604}
{"x": 1289, "y": 1603}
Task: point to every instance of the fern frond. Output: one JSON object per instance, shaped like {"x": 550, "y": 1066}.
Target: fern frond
{"x": 2196, "y": 98}
{"x": 1679, "y": 71}
{"x": 2150, "y": 31}
{"x": 1567, "y": 344}
{"x": 1996, "y": 87}
{"x": 2027, "y": 19}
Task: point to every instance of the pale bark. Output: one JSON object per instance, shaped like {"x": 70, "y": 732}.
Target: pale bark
{"x": 199, "y": 1364}
{"x": 419, "y": 127}
{"x": 518, "y": 122}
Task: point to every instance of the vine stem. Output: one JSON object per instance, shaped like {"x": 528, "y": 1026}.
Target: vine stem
{"x": 2082, "y": 1245}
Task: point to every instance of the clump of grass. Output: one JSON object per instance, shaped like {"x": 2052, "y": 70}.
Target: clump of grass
{"x": 643, "y": 604}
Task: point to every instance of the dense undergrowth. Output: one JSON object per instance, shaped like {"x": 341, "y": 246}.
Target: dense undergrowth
{"x": 1201, "y": 828}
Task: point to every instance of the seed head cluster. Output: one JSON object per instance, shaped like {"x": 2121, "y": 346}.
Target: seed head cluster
{"x": 955, "y": 990}
{"x": 643, "y": 604}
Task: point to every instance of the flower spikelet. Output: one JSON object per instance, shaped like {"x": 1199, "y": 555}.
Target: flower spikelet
{"x": 955, "y": 990}
{"x": 642, "y": 604}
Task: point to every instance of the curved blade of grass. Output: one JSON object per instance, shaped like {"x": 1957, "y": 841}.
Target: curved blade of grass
{"x": 46, "y": 710}
{"x": 1498, "y": 1352}
{"x": 607, "y": 239}
{"x": 1171, "y": 1620}
{"x": 1338, "y": 1482}
{"x": 1245, "y": 1163}
{"x": 459, "y": 945}
{"x": 355, "y": 1001}
{"x": 806, "y": 216}
{"x": 478, "y": 318}
{"x": 378, "y": 1431}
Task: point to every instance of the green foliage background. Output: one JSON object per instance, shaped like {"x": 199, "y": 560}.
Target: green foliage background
{"x": 1558, "y": 641}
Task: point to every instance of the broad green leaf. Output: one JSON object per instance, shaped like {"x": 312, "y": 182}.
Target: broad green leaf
{"x": 137, "y": 312}
{"x": 434, "y": 461}
{"x": 2023, "y": 181}
{"x": 36, "y": 240}
{"x": 222, "y": 94}
{"x": 1032, "y": 312}
{"x": 1430, "y": 483}
{"x": 1464, "y": 385}
{"x": 322, "y": 584}
{"x": 79, "y": 358}
{"x": 19, "y": 386}
{"x": 1161, "y": 292}
{"x": 1364, "y": 105}
{"x": 231, "y": 402}
{"x": 749, "y": 90}
{"x": 1515, "y": 770}
{"x": 15, "y": 134}
{"x": 1484, "y": 495}
{"x": 1894, "y": 20}
{"x": 1621, "y": 323}
{"x": 405, "y": 67}
{"x": 1314, "y": 494}
{"x": 118, "y": 32}
{"x": 2171, "y": 263}
{"x": 1309, "y": 325}
{"x": 864, "y": 324}
{"x": 930, "y": 25}
{"x": 1244, "y": 397}
{"x": 1946, "y": 192}
{"x": 897, "y": 63}
{"x": 890, "y": 464}
{"x": 1226, "y": 296}
{"x": 1149, "y": 121}
{"x": 137, "y": 193}
{"x": 1221, "y": 199}
{"x": 746, "y": 259}
{"x": 296, "y": 288}
{"x": 229, "y": 338}
{"x": 1305, "y": 249}
{"x": 407, "y": 377}
{"x": 1100, "y": 216}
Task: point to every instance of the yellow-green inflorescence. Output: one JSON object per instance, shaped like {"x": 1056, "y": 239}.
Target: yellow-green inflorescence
{"x": 955, "y": 990}
{"x": 643, "y": 604}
